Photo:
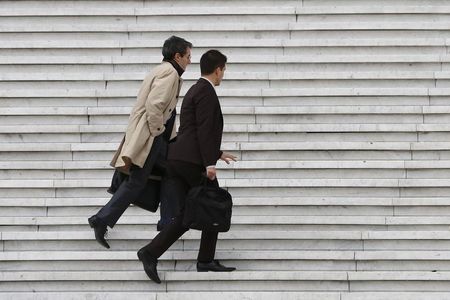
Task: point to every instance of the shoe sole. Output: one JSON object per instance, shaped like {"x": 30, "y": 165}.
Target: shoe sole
{"x": 216, "y": 271}
{"x": 207, "y": 270}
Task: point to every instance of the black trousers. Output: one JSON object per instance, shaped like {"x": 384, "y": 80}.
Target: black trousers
{"x": 182, "y": 176}
{"x": 131, "y": 189}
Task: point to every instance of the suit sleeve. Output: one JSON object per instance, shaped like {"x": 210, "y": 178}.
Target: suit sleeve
{"x": 157, "y": 100}
{"x": 208, "y": 129}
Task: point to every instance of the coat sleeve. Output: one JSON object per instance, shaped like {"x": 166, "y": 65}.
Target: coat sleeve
{"x": 158, "y": 99}
{"x": 208, "y": 129}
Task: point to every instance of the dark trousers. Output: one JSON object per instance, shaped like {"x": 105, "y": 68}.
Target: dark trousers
{"x": 168, "y": 207}
{"x": 131, "y": 189}
{"x": 182, "y": 176}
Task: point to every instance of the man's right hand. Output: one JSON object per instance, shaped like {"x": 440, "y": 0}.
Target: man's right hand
{"x": 211, "y": 173}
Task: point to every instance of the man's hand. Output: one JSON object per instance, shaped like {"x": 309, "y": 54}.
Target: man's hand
{"x": 211, "y": 173}
{"x": 227, "y": 157}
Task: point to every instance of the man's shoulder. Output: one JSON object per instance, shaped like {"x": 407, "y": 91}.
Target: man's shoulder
{"x": 162, "y": 70}
{"x": 203, "y": 87}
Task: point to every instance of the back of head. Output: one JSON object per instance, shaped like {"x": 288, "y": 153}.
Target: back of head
{"x": 211, "y": 60}
{"x": 174, "y": 45}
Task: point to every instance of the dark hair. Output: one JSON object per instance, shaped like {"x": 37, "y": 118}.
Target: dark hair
{"x": 211, "y": 60}
{"x": 174, "y": 45}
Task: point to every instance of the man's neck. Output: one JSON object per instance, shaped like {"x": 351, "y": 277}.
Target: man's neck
{"x": 210, "y": 79}
{"x": 177, "y": 67}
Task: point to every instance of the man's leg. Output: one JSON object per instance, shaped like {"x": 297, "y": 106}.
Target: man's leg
{"x": 129, "y": 190}
{"x": 171, "y": 232}
{"x": 207, "y": 248}
{"x": 174, "y": 229}
{"x": 165, "y": 238}
{"x": 169, "y": 207}
{"x": 206, "y": 253}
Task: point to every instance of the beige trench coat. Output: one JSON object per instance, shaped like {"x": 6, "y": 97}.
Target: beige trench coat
{"x": 156, "y": 100}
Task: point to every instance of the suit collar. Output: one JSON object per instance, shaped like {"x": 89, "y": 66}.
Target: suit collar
{"x": 207, "y": 80}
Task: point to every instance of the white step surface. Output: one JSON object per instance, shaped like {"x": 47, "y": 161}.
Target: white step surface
{"x": 337, "y": 111}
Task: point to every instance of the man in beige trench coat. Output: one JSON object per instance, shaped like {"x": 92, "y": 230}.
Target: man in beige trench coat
{"x": 147, "y": 129}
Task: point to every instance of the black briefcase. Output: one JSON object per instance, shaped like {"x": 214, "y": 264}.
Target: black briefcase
{"x": 208, "y": 208}
{"x": 150, "y": 196}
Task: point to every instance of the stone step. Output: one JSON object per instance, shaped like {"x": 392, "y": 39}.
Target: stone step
{"x": 274, "y": 136}
{"x": 178, "y": 281}
{"x": 225, "y": 276}
{"x": 420, "y": 202}
{"x": 240, "y": 128}
{"x": 242, "y": 165}
{"x": 237, "y": 48}
{"x": 244, "y": 146}
{"x": 231, "y": 295}
{"x": 233, "y": 26}
{"x": 232, "y": 101}
{"x": 228, "y": 295}
{"x": 248, "y": 155}
{"x": 138, "y": 4}
{"x": 253, "y": 151}
{"x": 275, "y": 92}
{"x": 257, "y": 255}
{"x": 232, "y": 83}
{"x": 235, "y": 240}
{"x": 192, "y": 75}
{"x": 243, "y": 183}
{"x": 240, "y": 235}
{"x": 257, "y": 66}
{"x": 179, "y": 260}
{"x": 236, "y": 115}
{"x": 377, "y": 42}
{"x": 263, "y": 280}
{"x": 239, "y": 9}
{"x": 232, "y": 110}
{"x": 284, "y": 170}
{"x": 240, "y": 210}
{"x": 257, "y": 260}
{"x": 149, "y": 295}
{"x": 236, "y": 84}
{"x": 234, "y": 59}
{"x": 143, "y": 217}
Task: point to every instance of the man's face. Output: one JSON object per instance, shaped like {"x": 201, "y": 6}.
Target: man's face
{"x": 184, "y": 60}
{"x": 220, "y": 73}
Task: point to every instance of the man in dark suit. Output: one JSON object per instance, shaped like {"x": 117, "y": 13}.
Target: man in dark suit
{"x": 194, "y": 153}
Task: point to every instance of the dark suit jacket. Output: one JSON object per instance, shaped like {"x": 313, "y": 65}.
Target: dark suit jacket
{"x": 201, "y": 126}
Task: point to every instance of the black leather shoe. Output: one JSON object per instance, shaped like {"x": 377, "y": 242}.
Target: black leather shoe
{"x": 100, "y": 230}
{"x": 149, "y": 265}
{"x": 213, "y": 266}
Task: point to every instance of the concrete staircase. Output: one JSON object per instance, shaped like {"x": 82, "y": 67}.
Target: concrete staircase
{"x": 339, "y": 112}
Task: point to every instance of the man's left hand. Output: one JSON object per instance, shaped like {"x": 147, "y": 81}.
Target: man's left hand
{"x": 227, "y": 157}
